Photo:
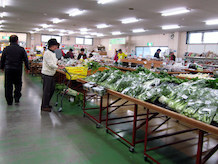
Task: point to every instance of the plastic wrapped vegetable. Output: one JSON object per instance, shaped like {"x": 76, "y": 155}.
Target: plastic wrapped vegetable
{"x": 205, "y": 114}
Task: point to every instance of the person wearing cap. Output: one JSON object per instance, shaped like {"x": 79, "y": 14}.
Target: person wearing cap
{"x": 82, "y": 54}
{"x": 12, "y": 60}
{"x": 49, "y": 67}
{"x": 121, "y": 55}
{"x": 157, "y": 54}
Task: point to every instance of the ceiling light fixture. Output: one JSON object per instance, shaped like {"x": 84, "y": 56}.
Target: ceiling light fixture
{"x": 87, "y": 36}
{"x": 71, "y": 32}
{"x": 83, "y": 29}
{"x": 75, "y": 12}
{"x": 130, "y": 20}
{"x": 45, "y": 25}
{"x": 100, "y": 35}
{"x": 102, "y": 26}
{"x": 3, "y": 14}
{"x": 104, "y": 1}
{"x": 93, "y": 33}
{"x": 56, "y": 20}
{"x": 62, "y": 30}
{"x": 83, "y": 32}
{"x": 116, "y": 33}
{"x": 51, "y": 29}
{"x": 32, "y": 32}
{"x": 168, "y": 27}
{"x": 176, "y": 11}
{"x": 38, "y": 29}
{"x": 3, "y": 3}
{"x": 138, "y": 30}
{"x": 1, "y": 21}
{"x": 212, "y": 22}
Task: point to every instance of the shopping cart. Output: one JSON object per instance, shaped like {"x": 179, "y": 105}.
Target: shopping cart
{"x": 72, "y": 73}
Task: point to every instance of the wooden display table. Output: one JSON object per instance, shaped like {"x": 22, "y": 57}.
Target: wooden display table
{"x": 196, "y": 71}
{"x": 195, "y": 125}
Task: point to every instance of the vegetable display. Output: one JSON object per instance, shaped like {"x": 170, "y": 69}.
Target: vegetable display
{"x": 93, "y": 65}
{"x": 195, "y": 98}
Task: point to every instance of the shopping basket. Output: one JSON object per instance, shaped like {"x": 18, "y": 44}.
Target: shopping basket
{"x": 74, "y": 73}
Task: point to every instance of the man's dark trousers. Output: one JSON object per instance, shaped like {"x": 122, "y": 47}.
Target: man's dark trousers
{"x": 48, "y": 90}
{"x": 13, "y": 77}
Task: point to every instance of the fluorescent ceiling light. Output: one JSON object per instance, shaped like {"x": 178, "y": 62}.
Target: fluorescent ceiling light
{"x": 93, "y": 33}
{"x": 129, "y": 20}
{"x": 38, "y": 29}
{"x": 83, "y": 29}
{"x": 3, "y": 14}
{"x": 104, "y": 1}
{"x": 102, "y": 26}
{"x": 71, "y": 32}
{"x": 3, "y": 3}
{"x": 32, "y": 32}
{"x": 57, "y": 20}
{"x": 83, "y": 32}
{"x": 168, "y": 27}
{"x": 51, "y": 29}
{"x": 61, "y": 34}
{"x": 176, "y": 11}
{"x": 45, "y": 25}
{"x": 100, "y": 35}
{"x": 62, "y": 30}
{"x": 212, "y": 22}
{"x": 116, "y": 33}
{"x": 75, "y": 12}
{"x": 1, "y": 21}
{"x": 138, "y": 30}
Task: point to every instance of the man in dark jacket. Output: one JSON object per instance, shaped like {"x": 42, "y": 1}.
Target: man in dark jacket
{"x": 157, "y": 54}
{"x": 82, "y": 54}
{"x": 12, "y": 60}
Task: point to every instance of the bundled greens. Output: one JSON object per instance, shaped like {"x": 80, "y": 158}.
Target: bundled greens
{"x": 193, "y": 98}
{"x": 93, "y": 65}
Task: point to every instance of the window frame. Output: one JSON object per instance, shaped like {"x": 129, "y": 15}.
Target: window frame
{"x": 202, "y": 40}
{"x": 84, "y": 41}
{"x": 51, "y": 36}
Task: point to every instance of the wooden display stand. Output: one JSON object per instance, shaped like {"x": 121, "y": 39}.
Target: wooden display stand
{"x": 195, "y": 125}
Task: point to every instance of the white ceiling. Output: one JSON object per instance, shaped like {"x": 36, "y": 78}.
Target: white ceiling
{"x": 25, "y": 15}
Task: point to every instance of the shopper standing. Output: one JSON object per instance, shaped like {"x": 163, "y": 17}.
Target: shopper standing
{"x": 121, "y": 55}
{"x": 49, "y": 67}
{"x": 12, "y": 60}
{"x": 69, "y": 54}
{"x": 157, "y": 54}
{"x": 82, "y": 54}
{"x": 172, "y": 56}
{"x": 59, "y": 53}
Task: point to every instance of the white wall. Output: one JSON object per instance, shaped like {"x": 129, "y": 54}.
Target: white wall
{"x": 178, "y": 43}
